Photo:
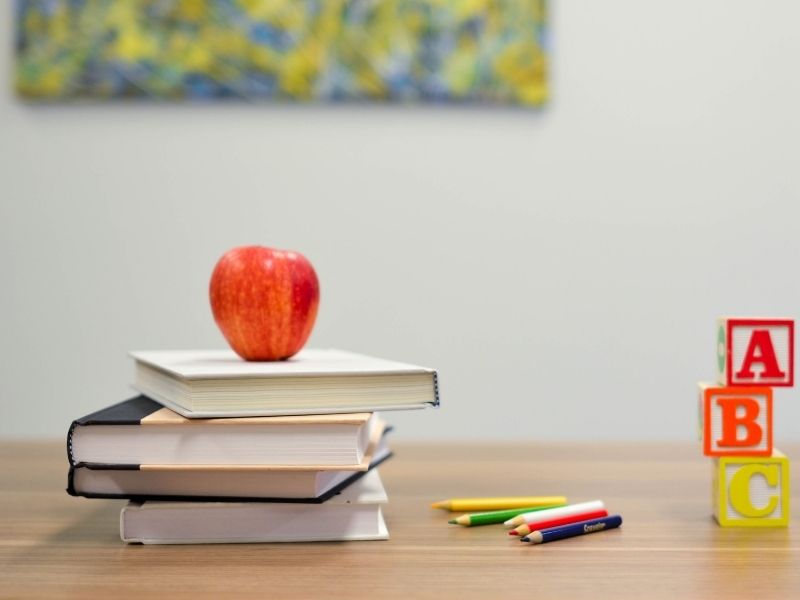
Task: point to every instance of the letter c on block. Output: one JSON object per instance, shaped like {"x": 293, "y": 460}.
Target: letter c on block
{"x": 740, "y": 490}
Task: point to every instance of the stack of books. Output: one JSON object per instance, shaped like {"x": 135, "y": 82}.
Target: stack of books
{"x": 216, "y": 449}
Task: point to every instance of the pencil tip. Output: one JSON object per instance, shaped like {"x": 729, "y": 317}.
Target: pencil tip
{"x": 513, "y": 532}
{"x": 436, "y": 505}
{"x": 453, "y": 522}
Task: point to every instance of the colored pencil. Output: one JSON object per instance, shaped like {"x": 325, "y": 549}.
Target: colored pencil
{"x": 562, "y": 511}
{"x": 555, "y": 522}
{"x": 497, "y": 516}
{"x": 474, "y": 504}
{"x": 567, "y": 531}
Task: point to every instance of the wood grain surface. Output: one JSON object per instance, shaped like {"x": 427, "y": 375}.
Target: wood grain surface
{"x": 52, "y": 545}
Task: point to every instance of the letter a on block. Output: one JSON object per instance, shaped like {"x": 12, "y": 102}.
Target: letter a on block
{"x": 752, "y": 491}
{"x": 737, "y": 421}
{"x": 756, "y": 352}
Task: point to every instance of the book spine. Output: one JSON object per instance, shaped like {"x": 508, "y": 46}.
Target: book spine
{"x": 70, "y": 455}
{"x": 435, "y": 388}
{"x": 71, "y": 481}
{"x": 122, "y": 524}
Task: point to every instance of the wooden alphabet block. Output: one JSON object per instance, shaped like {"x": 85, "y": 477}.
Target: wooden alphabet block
{"x": 751, "y": 491}
{"x": 758, "y": 351}
{"x": 736, "y": 421}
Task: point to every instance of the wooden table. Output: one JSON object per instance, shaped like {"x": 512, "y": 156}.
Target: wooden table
{"x": 52, "y": 545}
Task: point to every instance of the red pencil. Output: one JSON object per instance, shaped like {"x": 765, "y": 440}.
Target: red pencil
{"x": 526, "y": 528}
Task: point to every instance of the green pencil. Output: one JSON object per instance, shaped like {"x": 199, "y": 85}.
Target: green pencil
{"x": 496, "y": 516}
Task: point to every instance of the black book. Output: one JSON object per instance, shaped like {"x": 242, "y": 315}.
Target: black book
{"x": 140, "y": 450}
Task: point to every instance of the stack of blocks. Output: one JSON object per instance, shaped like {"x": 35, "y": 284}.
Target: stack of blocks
{"x": 750, "y": 478}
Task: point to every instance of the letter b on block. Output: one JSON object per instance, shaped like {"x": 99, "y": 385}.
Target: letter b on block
{"x": 756, "y": 352}
{"x": 736, "y": 421}
{"x": 751, "y": 491}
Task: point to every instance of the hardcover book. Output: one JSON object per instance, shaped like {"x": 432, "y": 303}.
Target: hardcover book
{"x": 215, "y": 485}
{"x": 217, "y": 383}
{"x": 355, "y": 514}
{"x": 140, "y": 433}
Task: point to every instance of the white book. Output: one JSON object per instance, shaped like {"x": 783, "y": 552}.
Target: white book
{"x": 218, "y": 383}
{"x": 355, "y": 514}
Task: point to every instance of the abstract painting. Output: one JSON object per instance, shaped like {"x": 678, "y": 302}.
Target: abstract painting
{"x": 439, "y": 51}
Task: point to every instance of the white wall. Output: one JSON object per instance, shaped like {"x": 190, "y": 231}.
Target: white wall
{"x": 563, "y": 270}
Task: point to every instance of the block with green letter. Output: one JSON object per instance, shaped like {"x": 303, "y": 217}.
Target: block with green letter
{"x": 751, "y": 491}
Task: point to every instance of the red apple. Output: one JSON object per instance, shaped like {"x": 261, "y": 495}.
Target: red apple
{"x": 264, "y": 301}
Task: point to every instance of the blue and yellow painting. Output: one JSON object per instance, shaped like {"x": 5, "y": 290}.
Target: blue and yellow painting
{"x": 459, "y": 51}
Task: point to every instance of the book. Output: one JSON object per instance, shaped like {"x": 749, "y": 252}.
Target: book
{"x": 217, "y": 383}
{"x": 355, "y": 514}
{"x": 140, "y": 433}
{"x": 236, "y": 485}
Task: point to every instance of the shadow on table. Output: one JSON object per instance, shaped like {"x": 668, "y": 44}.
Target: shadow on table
{"x": 90, "y": 531}
{"x": 91, "y": 528}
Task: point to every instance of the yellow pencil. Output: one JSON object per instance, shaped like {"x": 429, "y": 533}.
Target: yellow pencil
{"x": 470, "y": 504}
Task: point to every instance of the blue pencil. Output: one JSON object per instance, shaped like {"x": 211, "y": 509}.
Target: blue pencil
{"x": 566, "y": 531}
